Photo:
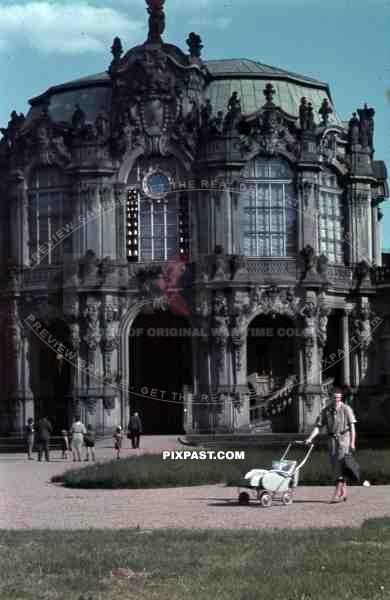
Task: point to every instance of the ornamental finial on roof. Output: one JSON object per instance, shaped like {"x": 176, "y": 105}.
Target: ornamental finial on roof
{"x": 269, "y": 93}
{"x": 194, "y": 43}
{"x": 325, "y": 111}
{"x": 156, "y": 20}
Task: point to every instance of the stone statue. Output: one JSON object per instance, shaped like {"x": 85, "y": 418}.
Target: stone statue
{"x": 310, "y": 117}
{"x": 303, "y": 114}
{"x": 323, "y": 326}
{"x": 219, "y": 263}
{"x": 192, "y": 119}
{"x": 239, "y": 265}
{"x": 206, "y": 112}
{"x": 216, "y": 124}
{"x": 78, "y": 118}
{"x": 366, "y": 126}
{"x": 325, "y": 111}
{"x": 156, "y": 20}
{"x": 14, "y": 124}
{"x": 117, "y": 49}
{"x": 234, "y": 106}
{"x": 269, "y": 93}
{"x": 310, "y": 260}
{"x": 195, "y": 45}
{"x": 354, "y": 129}
{"x": 220, "y": 305}
{"x": 322, "y": 266}
{"x": 102, "y": 123}
{"x": 362, "y": 271}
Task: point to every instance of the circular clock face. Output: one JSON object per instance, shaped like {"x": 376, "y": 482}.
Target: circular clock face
{"x": 157, "y": 184}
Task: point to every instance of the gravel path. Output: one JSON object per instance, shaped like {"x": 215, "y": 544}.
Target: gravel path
{"x": 29, "y": 500}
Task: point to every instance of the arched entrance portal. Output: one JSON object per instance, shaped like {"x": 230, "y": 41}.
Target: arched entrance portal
{"x": 51, "y": 376}
{"x": 272, "y": 360}
{"x": 160, "y": 360}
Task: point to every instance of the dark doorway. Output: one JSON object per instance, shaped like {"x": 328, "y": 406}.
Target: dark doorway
{"x": 272, "y": 348}
{"x": 160, "y": 360}
{"x": 51, "y": 376}
{"x": 272, "y": 359}
{"x": 332, "y": 361}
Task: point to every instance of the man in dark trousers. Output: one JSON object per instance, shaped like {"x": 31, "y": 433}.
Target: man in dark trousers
{"x": 135, "y": 430}
{"x": 44, "y": 431}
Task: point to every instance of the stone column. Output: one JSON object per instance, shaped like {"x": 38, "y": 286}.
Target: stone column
{"x": 241, "y": 308}
{"x": 307, "y": 205}
{"x": 91, "y": 336}
{"x": 19, "y": 217}
{"x": 345, "y": 346}
{"x": 311, "y": 396}
{"x": 112, "y": 384}
{"x": 27, "y": 395}
{"x": 221, "y": 364}
{"x": 359, "y": 219}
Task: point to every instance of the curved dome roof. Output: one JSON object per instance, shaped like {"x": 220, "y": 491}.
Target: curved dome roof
{"x": 247, "y": 77}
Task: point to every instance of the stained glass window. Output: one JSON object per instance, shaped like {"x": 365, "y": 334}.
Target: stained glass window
{"x": 268, "y": 215}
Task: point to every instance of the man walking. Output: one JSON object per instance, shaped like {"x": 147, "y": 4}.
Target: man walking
{"x": 44, "y": 431}
{"x": 135, "y": 430}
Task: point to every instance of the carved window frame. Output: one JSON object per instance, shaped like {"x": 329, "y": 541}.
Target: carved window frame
{"x": 270, "y": 218}
{"x": 46, "y": 194}
{"x": 331, "y": 218}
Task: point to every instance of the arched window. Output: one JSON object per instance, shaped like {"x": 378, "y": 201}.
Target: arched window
{"x": 331, "y": 218}
{"x": 157, "y": 215}
{"x": 46, "y": 204}
{"x": 267, "y": 214}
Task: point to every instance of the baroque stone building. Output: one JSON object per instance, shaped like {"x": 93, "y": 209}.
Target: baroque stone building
{"x": 195, "y": 239}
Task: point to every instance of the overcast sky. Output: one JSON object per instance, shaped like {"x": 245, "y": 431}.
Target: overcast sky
{"x": 343, "y": 42}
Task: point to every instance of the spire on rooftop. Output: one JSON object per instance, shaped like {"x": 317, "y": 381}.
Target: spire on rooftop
{"x": 156, "y": 20}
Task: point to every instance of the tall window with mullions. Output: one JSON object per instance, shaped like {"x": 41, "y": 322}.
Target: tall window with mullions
{"x": 268, "y": 216}
{"x": 155, "y": 229}
{"x": 331, "y": 218}
{"x": 46, "y": 215}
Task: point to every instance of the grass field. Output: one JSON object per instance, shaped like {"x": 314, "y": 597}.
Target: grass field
{"x": 345, "y": 564}
{"x": 151, "y": 471}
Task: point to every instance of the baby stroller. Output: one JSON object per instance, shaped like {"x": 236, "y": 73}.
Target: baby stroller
{"x": 277, "y": 483}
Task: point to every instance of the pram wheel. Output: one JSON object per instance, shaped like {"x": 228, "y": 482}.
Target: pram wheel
{"x": 243, "y": 498}
{"x": 287, "y": 498}
{"x": 265, "y": 500}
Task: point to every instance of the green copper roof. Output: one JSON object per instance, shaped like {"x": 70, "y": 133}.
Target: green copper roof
{"x": 287, "y": 95}
{"x": 238, "y": 67}
{"x": 247, "y": 77}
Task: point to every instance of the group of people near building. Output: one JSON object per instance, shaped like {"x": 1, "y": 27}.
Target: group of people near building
{"x": 337, "y": 419}
{"x": 78, "y": 437}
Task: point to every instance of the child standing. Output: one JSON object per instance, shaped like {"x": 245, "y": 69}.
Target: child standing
{"x": 118, "y": 441}
{"x": 89, "y": 440}
{"x": 64, "y": 444}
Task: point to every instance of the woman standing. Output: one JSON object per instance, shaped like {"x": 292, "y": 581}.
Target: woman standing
{"x": 78, "y": 432}
{"x": 89, "y": 440}
{"x": 339, "y": 421}
{"x": 29, "y": 433}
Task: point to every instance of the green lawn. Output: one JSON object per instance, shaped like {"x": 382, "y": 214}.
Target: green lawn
{"x": 347, "y": 564}
{"x": 151, "y": 471}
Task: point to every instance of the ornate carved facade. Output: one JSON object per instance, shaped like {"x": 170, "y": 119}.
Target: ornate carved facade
{"x": 157, "y": 191}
